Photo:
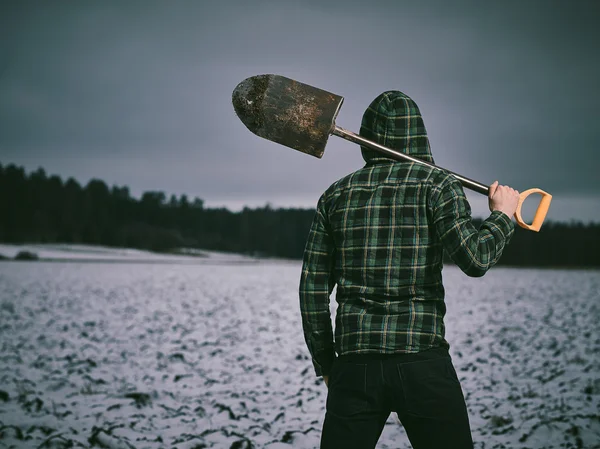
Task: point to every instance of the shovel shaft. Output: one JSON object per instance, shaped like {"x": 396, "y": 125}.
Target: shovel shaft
{"x": 352, "y": 137}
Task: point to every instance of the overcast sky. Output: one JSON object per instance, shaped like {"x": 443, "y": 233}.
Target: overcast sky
{"x": 138, "y": 93}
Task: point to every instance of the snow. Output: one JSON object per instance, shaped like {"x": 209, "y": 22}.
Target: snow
{"x": 201, "y": 354}
{"x": 70, "y": 252}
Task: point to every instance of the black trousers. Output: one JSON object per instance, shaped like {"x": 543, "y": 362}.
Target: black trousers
{"x": 421, "y": 388}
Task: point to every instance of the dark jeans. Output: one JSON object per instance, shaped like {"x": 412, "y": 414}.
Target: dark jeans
{"x": 421, "y": 388}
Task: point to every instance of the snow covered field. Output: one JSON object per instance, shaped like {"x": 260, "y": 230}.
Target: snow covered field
{"x": 88, "y": 253}
{"x": 211, "y": 355}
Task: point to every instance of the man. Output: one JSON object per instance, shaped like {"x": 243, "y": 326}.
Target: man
{"x": 379, "y": 234}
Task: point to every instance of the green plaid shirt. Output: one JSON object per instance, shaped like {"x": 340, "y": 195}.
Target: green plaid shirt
{"x": 379, "y": 235}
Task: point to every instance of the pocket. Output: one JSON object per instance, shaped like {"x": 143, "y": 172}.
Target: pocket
{"x": 431, "y": 388}
{"x": 347, "y": 393}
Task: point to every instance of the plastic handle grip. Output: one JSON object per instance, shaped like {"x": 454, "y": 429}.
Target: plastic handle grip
{"x": 540, "y": 213}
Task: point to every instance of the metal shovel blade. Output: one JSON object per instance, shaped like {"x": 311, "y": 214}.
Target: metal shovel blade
{"x": 285, "y": 111}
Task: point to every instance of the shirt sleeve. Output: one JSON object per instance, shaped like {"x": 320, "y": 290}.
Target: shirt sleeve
{"x": 474, "y": 250}
{"x": 316, "y": 285}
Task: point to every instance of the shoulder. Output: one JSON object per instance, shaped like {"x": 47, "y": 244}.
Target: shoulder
{"x": 446, "y": 189}
{"x": 353, "y": 179}
{"x": 332, "y": 194}
{"x": 436, "y": 180}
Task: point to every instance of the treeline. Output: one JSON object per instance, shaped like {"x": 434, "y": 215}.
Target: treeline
{"x": 39, "y": 208}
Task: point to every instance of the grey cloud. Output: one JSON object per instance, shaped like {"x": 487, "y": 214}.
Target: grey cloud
{"x": 138, "y": 93}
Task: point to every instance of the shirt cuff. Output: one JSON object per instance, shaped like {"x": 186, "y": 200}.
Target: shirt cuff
{"x": 504, "y": 223}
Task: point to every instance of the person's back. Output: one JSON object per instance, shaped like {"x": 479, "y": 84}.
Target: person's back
{"x": 379, "y": 234}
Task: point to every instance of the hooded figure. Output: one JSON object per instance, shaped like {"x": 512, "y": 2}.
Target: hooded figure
{"x": 379, "y": 235}
{"x": 393, "y": 120}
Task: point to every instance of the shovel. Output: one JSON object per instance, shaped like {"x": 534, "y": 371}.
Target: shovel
{"x": 302, "y": 117}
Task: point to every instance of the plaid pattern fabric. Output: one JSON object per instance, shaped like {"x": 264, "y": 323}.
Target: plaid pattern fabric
{"x": 379, "y": 235}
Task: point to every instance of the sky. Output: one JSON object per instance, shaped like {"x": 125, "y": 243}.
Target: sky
{"x": 138, "y": 93}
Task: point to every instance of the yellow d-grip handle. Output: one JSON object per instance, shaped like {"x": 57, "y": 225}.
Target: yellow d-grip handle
{"x": 540, "y": 213}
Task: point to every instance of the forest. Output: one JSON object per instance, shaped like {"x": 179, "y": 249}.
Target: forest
{"x": 38, "y": 208}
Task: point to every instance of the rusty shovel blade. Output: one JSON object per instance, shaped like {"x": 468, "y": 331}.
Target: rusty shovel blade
{"x": 285, "y": 111}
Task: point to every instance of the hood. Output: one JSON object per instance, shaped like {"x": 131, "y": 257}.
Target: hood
{"x": 393, "y": 120}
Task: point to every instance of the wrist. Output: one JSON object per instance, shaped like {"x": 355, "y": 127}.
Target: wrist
{"x": 507, "y": 213}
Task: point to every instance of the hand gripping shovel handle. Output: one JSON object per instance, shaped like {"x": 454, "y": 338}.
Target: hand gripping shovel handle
{"x": 302, "y": 117}
{"x": 540, "y": 213}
